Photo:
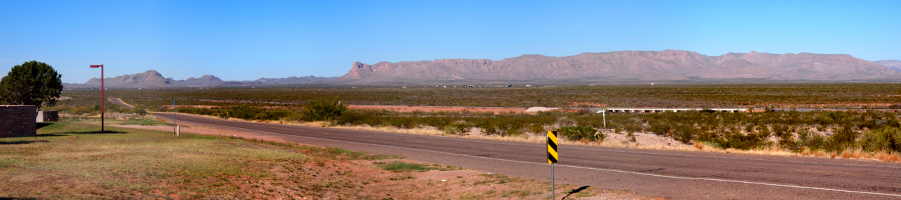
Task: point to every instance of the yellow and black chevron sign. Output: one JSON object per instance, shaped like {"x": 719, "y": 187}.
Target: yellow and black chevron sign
{"x": 552, "y": 147}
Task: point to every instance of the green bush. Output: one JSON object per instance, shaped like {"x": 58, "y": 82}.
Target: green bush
{"x": 537, "y": 129}
{"x": 488, "y": 129}
{"x": 577, "y": 133}
{"x": 684, "y": 133}
{"x": 843, "y": 138}
{"x": 458, "y": 127}
{"x": 786, "y": 141}
{"x": 659, "y": 129}
{"x": 739, "y": 141}
{"x": 323, "y": 109}
{"x": 885, "y": 139}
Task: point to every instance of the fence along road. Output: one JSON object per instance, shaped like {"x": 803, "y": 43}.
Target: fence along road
{"x": 676, "y": 174}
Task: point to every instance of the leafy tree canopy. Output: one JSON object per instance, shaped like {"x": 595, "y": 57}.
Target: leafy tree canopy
{"x": 31, "y": 83}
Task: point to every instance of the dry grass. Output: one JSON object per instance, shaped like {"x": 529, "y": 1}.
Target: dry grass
{"x": 67, "y": 160}
{"x": 887, "y": 156}
{"x": 845, "y": 154}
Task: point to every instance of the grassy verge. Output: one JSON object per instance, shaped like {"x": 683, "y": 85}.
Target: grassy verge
{"x": 72, "y": 159}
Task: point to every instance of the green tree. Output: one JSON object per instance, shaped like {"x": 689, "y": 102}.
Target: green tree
{"x": 323, "y": 109}
{"x": 31, "y": 83}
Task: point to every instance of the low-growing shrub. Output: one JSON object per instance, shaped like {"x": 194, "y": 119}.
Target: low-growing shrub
{"x": 576, "y": 133}
{"x": 456, "y": 128}
{"x": 323, "y": 109}
{"x": 884, "y": 139}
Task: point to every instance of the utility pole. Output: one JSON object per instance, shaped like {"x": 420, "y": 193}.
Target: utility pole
{"x": 102, "y": 98}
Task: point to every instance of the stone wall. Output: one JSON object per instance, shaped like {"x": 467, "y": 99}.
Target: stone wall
{"x": 17, "y": 121}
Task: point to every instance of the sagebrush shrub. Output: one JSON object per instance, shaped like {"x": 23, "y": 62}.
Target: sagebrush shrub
{"x": 576, "y": 133}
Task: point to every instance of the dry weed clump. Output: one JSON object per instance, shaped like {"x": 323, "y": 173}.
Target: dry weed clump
{"x": 845, "y": 154}
{"x": 858, "y": 154}
{"x": 888, "y": 156}
{"x": 698, "y": 146}
{"x": 819, "y": 154}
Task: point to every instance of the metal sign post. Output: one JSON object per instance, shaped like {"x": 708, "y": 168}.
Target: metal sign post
{"x": 604, "y": 114}
{"x": 552, "y": 156}
{"x": 174, "y": 110}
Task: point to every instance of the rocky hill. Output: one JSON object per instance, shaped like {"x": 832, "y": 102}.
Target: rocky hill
{"x": 669, "y": 65}
{"x": 150, "y": 78}
{"x": 153, "y": 79}
{"x": 292, "y": 80}
{"x": 205, "y": 80}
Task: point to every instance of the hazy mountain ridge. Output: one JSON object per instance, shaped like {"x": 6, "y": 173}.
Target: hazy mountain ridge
{"x": 668, "y": 65}
{"x": 626, "y": 65}
{"x": 891, "y": 64}
{"x": 153, "y": 79}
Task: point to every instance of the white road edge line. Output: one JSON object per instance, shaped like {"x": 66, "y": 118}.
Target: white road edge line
{"x": 667, "y": 154}
{"x": 684, "y": 155}
{"x": 599, "y": 169}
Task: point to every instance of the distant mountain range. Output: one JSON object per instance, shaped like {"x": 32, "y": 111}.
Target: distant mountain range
{"x": 153, "y": 79}
{"x": 669, "y": 65}
{"x": 619, "y": 66}
{"x": 891, "y": 64}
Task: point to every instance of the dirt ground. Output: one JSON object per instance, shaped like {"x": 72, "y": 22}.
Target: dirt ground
{"x": 206, "y": 131}
{"x": 369, "y": 182}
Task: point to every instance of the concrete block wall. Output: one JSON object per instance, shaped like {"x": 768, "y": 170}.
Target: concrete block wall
{"x": 17, "y": 121}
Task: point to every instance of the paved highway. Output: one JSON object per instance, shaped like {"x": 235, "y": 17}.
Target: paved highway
{"x": 674, "y": 174}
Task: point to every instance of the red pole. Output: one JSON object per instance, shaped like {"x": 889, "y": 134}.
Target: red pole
{"x": 102, "y": 99}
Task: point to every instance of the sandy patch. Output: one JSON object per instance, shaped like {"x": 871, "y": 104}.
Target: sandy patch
{"x": 537, "y": 109}
{"x": 446, "y": 175}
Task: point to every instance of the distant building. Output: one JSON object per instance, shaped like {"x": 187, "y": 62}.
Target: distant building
{"x": 47, "y": 116}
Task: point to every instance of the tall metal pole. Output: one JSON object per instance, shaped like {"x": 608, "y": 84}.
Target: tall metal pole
{"x": 102, "y": 99}
{"x": 552, "y": 182}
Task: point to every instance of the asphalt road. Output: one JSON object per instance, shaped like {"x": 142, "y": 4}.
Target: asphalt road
{"x": 120, "y": 102}
{"x": 660, "y": 173}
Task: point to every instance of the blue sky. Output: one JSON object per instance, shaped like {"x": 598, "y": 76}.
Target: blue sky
{"x": 246, "y": 40}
